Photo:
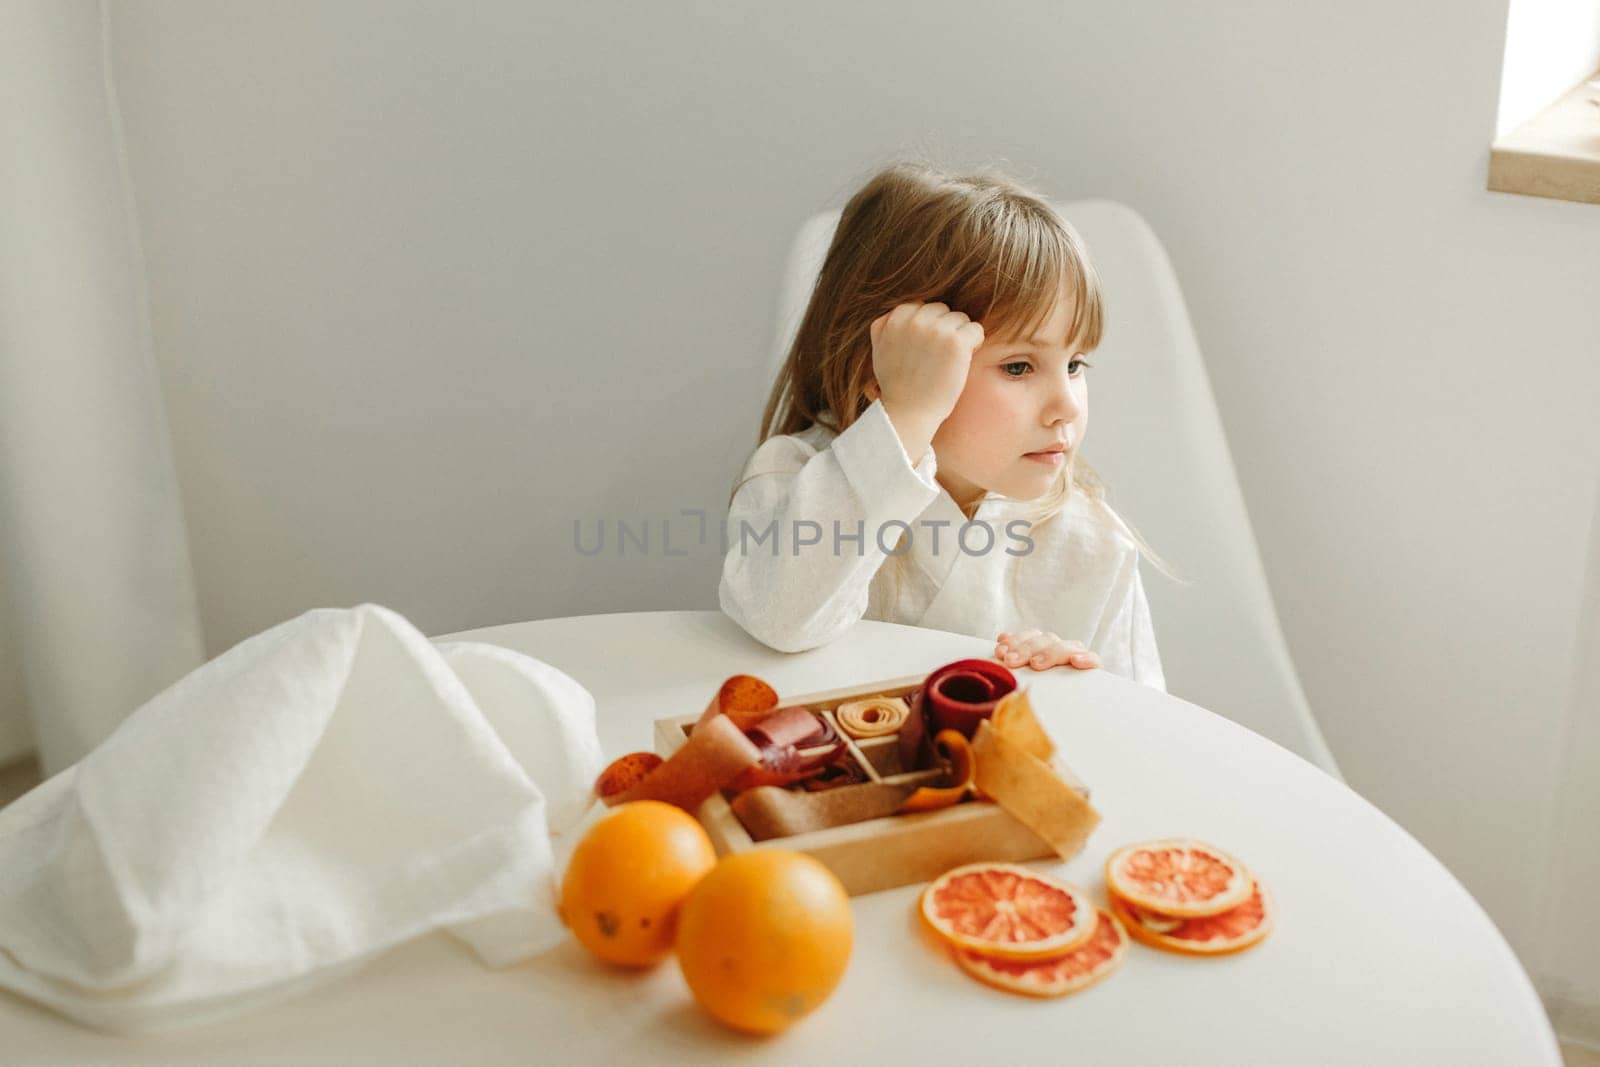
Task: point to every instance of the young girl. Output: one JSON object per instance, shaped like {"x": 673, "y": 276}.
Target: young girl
{"x": 919, "y": 459}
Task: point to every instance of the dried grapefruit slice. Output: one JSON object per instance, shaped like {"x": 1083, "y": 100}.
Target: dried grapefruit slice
{"x": 1007, "y": 911}
{"x": 1212, "y": 935}
{"x": 1178, "y": 877}
{"x": 1056, "y": 977}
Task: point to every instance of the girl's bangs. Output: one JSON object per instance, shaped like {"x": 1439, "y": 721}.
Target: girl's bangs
{"x": 1029, "y": 276}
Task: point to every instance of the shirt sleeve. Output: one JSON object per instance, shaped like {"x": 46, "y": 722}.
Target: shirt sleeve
{"x": 1126, "y": 639}
{"x": 1145, "y": 658}
{"x": 804, "y": 530}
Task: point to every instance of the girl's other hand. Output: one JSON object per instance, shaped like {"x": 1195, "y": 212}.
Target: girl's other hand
{"x": 921, "y": 354}
{"x": 1041, "y": 650}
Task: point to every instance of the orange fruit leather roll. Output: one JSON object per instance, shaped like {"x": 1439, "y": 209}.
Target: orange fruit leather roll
{"x": 1014, "y": 719}
{"x": 716, "y": 754}
{"x": 1032, "y": 790}
{"x": 624, "y": 773}
{"x": 744, "y": 698}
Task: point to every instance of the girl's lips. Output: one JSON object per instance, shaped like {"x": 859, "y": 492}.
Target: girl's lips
{"x": 1050, "y": 459}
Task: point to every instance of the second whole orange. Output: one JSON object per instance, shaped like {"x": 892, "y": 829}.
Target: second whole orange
{"x": 765, "y": 938}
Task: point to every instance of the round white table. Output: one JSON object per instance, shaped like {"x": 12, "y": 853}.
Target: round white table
{"x": 1379, "y": 957}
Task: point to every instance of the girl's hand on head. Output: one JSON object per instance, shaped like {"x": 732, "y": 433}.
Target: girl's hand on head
{"x": 1040, "y": 650}
{"x": 921, "y": 354}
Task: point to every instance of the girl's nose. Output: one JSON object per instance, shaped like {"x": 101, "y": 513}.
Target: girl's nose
{"x": 1062, "y": 404}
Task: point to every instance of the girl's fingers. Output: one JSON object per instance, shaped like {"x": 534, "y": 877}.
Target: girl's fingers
{"x": 1048, "y": 656}
{"x": 1039, "y": 650}
{"x": 1006, "y": 642}
{"x": 1068, "y": 653}
{"x": 1019, "y": 647}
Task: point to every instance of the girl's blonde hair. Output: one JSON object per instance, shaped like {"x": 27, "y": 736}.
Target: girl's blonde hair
{"x": 980, "y": 243}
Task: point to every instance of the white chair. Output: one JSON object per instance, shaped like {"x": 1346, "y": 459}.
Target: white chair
{"x": 1156, "y": 438}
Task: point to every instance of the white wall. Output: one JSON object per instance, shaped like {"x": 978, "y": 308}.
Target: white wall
{"x": 429, "y": 282}
{"x": 16, "y": 739}
{"x": 97, "y": 600}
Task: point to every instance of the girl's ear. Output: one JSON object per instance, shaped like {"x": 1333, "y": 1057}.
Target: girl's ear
{"x": 872, "y": 391}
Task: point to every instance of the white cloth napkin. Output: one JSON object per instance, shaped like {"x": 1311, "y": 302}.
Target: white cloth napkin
{"x": 319, "y": 793}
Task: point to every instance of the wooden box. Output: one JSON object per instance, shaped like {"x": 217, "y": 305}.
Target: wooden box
{"x": 885, "y": 852}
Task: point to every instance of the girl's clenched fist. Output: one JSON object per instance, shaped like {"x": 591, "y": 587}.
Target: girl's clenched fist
{"x": 921, "y": 354}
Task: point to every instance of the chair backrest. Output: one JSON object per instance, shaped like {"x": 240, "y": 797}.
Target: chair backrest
{"x": 1156, "y": 438}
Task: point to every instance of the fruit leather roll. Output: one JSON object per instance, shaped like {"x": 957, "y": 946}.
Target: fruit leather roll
{"x": 795, "y": 743}
{"x": 770, "y": 811}
{"x": 742, "y": 739}
{"x": 957, "y": 696}
{"x": 962, "y": 694}
{"x": 716, "y": 753}
{"x": 873, "y": 717}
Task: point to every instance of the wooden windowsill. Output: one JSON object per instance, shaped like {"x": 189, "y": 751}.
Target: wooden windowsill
{"x": 1556, "y": 153}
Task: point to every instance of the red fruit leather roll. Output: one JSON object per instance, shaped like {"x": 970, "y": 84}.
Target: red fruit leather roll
{"x": 915, "y": 751}
{"x": 960, "y": 695}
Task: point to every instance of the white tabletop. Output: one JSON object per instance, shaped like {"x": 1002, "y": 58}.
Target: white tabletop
{"x": 1379, "y": 956}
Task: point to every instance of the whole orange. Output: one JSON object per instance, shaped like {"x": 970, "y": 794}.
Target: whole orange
{"x": 764, "y": 938}
{"x": 627, "y": 877}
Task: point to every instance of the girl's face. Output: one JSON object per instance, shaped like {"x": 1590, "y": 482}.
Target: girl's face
{"x": 1023, "y": 396}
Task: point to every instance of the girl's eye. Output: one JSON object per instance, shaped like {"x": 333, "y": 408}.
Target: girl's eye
{"x": 1074, "y": 368}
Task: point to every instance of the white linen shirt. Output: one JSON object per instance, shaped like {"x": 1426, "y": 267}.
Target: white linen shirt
{"x": 797, "y": 575}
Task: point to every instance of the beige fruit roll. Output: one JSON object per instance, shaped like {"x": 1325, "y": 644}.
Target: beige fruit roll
{"x": 874, "y": 717}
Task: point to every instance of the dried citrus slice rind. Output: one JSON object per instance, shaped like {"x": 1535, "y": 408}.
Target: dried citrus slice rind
{"x": 1179, "y": 877}
{"x": 1059, "y": 975}
{"x": 1007, "y": 911}
{"x": 952, "y": 745}
{"x": 1212, "y": 935}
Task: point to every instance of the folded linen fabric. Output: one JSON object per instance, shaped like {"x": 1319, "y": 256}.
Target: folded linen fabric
{"x": 321, "y": 792}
